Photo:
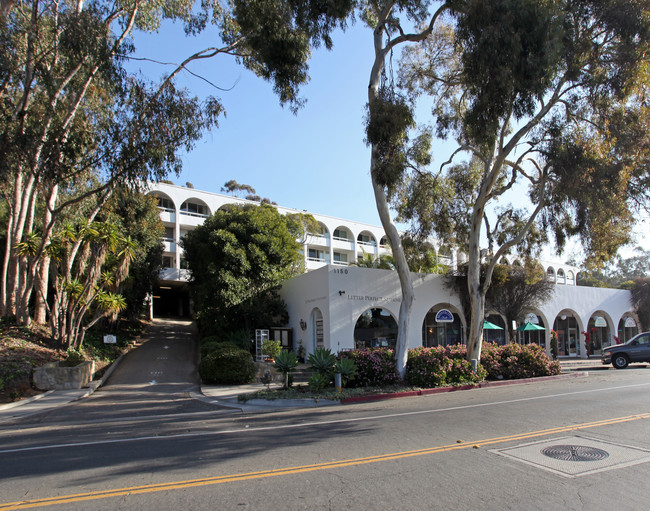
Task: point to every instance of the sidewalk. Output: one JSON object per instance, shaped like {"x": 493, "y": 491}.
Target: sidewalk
{"x": 220, "y": 395}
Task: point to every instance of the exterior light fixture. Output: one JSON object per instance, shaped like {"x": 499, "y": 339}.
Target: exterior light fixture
{"x": 303, "y": 325}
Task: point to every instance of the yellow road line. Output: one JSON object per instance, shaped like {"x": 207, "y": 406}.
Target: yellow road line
{"x": 193, "y": 483}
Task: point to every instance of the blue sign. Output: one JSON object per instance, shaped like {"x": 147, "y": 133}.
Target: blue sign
{"x": 444, "y": 316}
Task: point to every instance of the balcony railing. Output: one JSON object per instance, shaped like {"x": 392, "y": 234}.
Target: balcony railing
{"x": 174, "y": 274}
{"x": 192, "y": 213}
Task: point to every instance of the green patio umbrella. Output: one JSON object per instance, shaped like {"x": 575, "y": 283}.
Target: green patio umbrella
{"x": 490, "y": 326}
{"x": 528, "y": 327}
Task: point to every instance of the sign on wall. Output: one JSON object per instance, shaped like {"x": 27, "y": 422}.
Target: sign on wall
{"x": 629, "y": 322}
{"x": 444, "y": 316}
{"x": 531, "y": 318}
{"x": 600, "y": 322}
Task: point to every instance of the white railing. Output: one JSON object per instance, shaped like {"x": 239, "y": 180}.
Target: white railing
{"x": 174, "y": 274}
{"x": 191, "y": 213}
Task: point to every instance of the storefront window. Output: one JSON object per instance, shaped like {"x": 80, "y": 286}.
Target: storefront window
{"x": 375, "y": 328}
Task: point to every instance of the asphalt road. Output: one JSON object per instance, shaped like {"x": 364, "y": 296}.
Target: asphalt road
{"x": 444, "y": 451}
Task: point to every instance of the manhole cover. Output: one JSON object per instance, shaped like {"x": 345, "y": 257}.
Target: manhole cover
{"x": 574, "y": 453}
{"x": 559, "y": 455}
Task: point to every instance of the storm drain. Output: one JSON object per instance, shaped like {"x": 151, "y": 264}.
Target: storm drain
{"x": 576, "y": 455}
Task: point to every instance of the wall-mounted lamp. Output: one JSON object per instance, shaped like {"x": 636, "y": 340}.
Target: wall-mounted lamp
{"x": 563, "y": 317}
{"x": 341, "y": 293}
{"x": 303, "y": 325}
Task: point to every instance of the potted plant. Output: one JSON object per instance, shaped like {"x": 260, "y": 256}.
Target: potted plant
{"x": 300, "y": 352}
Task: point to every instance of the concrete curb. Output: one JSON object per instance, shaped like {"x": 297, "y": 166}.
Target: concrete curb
{"x": 281, "y": 404}
{"x": 9, "y": 406}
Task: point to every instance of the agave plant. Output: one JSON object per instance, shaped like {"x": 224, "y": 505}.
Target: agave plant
{"x": 346, "y": 368}
{"x": 286, "y": 362}
{"x": 322, "y": 361}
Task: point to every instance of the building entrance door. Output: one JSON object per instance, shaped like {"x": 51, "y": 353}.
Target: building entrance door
{"x": 573, "y": 345}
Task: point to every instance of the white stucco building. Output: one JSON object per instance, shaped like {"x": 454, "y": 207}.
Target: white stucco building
{"x": 338, "y": 306}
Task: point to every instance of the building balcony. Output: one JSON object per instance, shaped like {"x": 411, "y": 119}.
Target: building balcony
{"x": 343, "y": 244}
{"x": 167, "y": 215}
{"x": 318, "y": 240}
{"x": 174, "y": 274}
{"x": 314, "y": 264}
{"x": 169, "y": 246}
{"x": 192, "y": 219}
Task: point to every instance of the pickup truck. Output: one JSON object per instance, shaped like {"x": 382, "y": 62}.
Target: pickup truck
{"x": 636, "y": 349}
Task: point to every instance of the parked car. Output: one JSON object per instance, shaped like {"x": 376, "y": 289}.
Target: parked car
{"x": 636, "y": 349}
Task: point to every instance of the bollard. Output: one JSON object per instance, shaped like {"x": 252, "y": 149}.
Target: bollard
{"x": 337, "y": 382}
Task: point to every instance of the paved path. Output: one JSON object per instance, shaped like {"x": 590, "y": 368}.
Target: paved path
{"x": 160, "y": 374}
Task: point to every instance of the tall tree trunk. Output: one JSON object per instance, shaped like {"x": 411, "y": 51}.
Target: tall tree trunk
{"x": 42, "y": 288}
{"x": 406, "y": 284}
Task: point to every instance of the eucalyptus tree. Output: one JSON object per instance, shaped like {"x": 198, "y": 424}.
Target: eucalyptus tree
{"x": 237, "y": 260}
{"x": 641, "y": 300}
{"x": 549, "y": 95}
{"x": 72, "y": 119}
{"x": 71, "y": 115}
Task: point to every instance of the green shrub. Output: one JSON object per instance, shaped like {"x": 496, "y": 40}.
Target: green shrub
{"x": 318, "y": 381}
{"x": 435, "y": 367}
{"x": 515, "y": 361}
{"x": 238, "y": 338}
{"x": 227, "y": 365}
{"x": 322, "y": 361}
{"x": 271, "y": 348}
{"x": 73, "y": 358}
{"x": 209, "y": 347}
{"x": 375, "y": 367}
{"x": 347, "y": 369}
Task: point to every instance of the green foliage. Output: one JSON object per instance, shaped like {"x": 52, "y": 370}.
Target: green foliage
{"x": 237, "y": 259}
{"x": 322, "y": 360}
{"x": 347, "y": 369}
{"x": 318, "y": 381}
{"x": 514, "y": 361}
{"x": 138, "y": 217}
{"x": 387, "y": 123}
{"x": 436, "y": 367}
{"x": 227, "y": 365}
{"x": 73, "y": 358}
{"x": 554, "y": 345}
{"x": 375, "y": 367}
{"x": 641, "y": 301}
{"x": 271, "y": 348}
{"x": 509, "y": 54}
{"x": 279, "y": 37}
{"x": 286, "y": 362}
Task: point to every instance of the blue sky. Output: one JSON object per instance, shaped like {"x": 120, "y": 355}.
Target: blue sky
{"x": 315, "y": 160}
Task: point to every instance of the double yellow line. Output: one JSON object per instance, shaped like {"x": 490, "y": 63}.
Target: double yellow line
{"x": 192, "y": 483}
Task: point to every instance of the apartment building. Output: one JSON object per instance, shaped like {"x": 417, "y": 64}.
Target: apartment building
{"x": 339, "y": 306}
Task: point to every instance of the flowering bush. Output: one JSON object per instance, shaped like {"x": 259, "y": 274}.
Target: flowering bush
{"x": 514, "y": 361}
{"x": 434, "y": 367}
{"x": 375, "y": 367}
